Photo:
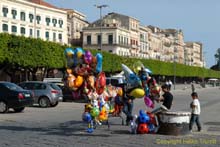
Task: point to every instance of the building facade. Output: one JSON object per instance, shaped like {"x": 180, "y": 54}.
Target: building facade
{"x": 76, "y": 22}
{"x": 33, "y": 18}
{"x": 144, "y": 42}
{"x": 195, "y": 48}
{"x": 116, "y": 36}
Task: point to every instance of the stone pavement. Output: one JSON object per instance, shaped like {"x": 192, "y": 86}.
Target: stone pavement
{"x": 62, "y": 126}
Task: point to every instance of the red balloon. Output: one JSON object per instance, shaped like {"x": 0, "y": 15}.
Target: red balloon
{"x": 142, "y": 129}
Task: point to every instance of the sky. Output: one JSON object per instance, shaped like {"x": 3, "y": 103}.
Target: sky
{"x": 198, "y": 19}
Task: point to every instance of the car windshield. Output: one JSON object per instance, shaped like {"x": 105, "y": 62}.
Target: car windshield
{"x": 54, "y": 86}
{"x": 12, "y": 86}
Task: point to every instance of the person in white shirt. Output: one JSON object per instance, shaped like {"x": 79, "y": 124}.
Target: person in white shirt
{"x": 195, "y": 106}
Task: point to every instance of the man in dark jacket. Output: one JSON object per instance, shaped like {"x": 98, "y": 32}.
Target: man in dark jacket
{"x": 166, "y": 98}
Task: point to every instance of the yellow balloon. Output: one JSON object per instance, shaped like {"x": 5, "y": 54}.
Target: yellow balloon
{"x": 103, "y": 115}
{"x": 78, "y": 81}
{"x": 137, "y": 66}
{"x": 137, "y": 93}
{"x": 79, "y": 54}
{"x": 120, "y": 92}
{"x": 69, "y": 71}
{"x": 69, "y": 54}
{"x": 70, "y": 80}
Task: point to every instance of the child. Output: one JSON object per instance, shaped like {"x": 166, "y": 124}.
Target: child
{"x": 195, "y": 106}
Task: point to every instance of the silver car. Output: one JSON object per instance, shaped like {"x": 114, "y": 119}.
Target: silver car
{"x": 45, "y": 94}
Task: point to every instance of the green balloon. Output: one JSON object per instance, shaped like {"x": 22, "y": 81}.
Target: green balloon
{"x": 94, "y": 112}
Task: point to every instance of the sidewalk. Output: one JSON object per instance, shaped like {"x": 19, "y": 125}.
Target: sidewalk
{"x": 189, "y": 87}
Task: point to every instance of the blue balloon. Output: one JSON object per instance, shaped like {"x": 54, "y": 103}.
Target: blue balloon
{"x": 141, "y": 112}
{"x": 90, "y": 130}
{"x": 151, "y": 128}
{"x": 147, "y": 91}
{"x": 79, "y": 51}
{"x": 99, "y": 62}
{"x": 143, "y": 117}
{"x": 134, "y": 80}
{"x": 70, "y": 62}
{"x": 87, "y": 117}
{"x": 69, "y": 52}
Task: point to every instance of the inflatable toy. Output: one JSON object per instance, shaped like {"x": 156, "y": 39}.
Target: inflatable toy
{"x": 88, "y": 57}
{"x": 148, "y": 102}
{"x": 69, "y": 52}
{"x": 137, "y": 93}
{"x": 78, "y": 81}
{"x": 100, "y": 83}
{"x": 86, "y": 117}
{"x": 142, "y": 128}
{"x": 94, "y": 112}
{"x": 99, "y": 62}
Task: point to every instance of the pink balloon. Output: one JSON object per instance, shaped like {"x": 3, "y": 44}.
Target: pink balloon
{"x": 148, "y": 102}
{"x": 88, "y": 57}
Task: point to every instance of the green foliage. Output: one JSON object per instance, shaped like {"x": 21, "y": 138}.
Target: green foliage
{"x": 29, "y": 52}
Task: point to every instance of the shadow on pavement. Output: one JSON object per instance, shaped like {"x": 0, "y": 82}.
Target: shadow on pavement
{"x": 70, "y": 128}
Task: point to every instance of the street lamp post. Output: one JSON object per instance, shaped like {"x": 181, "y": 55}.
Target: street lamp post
{"x": 100, "y": 8}
{"x": 174, "y": 69}
{"x": 110, "y": 51}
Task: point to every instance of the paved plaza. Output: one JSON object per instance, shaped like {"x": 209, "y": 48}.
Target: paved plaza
{"x": 62, "y": 126}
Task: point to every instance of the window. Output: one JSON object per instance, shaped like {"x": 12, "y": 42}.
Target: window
{"x": 61, "y": 23}
{"x": 38, "y": 18}
{"x": 47, "y": 35}
{"x": 22, "y": 16}
{"x": 110, "y": 39}
{"x": 14, "y": 14}
{"x": 88, "y": 39}
{"x": 31, "y": 32}
{"x": 5, "y": 11}
{"x": 22, "y": 30}
{"x": 54, "y": 21}
{"x": 14, "y": 29}
{"x": 60, "y": 37}
{"x": 47, "y": 21}
{"x": 5, "y": 27}
{"x": 38, "y": 33}
{"x": 99, "y": 39}
{"x": 54, "y": 36}
{"x": 119, "y": 39}
{"x": 31, "y": 17}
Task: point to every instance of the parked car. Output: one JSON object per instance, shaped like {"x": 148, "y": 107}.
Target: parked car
{"x": 57, "y": 81}
{"x": 115, "y": 81}
{"x": 13, "y": 96}
{"x": 45, "y": 94}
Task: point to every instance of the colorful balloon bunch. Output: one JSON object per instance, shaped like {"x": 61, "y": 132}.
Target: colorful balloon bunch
{"x": 144, "y": 123}
{"x": 95, "y": 113}
{"x": 140, "y": 84}
{"x": 84, "y": 72}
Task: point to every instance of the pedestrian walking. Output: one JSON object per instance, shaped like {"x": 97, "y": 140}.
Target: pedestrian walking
{"x": 195, "y": 106}
{"x": 193, "y": 87}
{"x": 170, "y": 84}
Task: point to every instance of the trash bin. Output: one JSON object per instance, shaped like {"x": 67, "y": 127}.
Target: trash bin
{"x": 174, "y": 123}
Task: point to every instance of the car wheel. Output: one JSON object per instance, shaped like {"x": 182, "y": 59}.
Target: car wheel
{"x": 54, "y": 105}
{"x": 19, "y": 109}
{"x": 44, "y": 102}
{"x": 3, "y": 107}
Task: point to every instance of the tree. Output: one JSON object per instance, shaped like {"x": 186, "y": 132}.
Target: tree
{"x": 217, "y": 56}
